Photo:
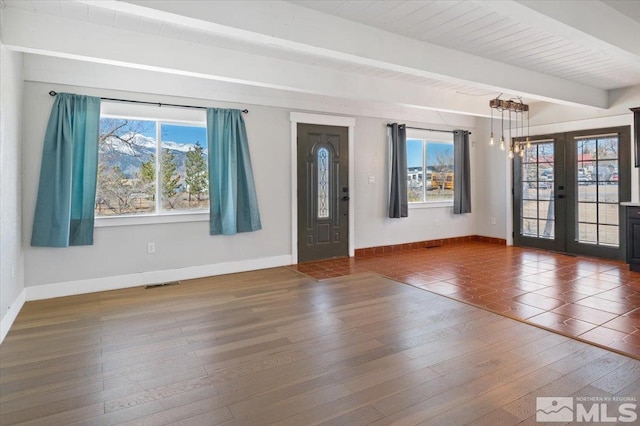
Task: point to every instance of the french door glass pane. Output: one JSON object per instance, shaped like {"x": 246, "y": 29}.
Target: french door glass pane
{"x": 608, "y": 214}
{"x": 587, "y": 213}
{"x": 537, "y": 208}
{"x": 586, "y": 193}
{"x": 597, "y": 189}
{"x": 587, "y": 232}
{"x": 529, "y": 227}
{"x": 608, "y": 235}
{"x": 547, "y": 229}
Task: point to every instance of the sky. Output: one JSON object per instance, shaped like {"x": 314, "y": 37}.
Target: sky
{"x": 180, "y": 134}
{"x": 184, "y": 134}
{"x": 414, "y": 152}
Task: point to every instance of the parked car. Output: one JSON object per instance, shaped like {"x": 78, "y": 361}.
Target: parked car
{"x": 604, "y": 174}
{"x": 542, "y": 183}
{"x": 613, "y": 180}
{"x": 547, "y": 173}
{"x": 584, "y": 178}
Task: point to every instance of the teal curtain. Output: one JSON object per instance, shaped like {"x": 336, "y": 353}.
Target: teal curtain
{"x": 232, "y": 193}
{"x": 67, "y": 191}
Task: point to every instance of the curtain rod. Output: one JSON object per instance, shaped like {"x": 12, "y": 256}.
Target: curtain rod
{"x": 431, "y": 130}
{"x": 53, "y": 93}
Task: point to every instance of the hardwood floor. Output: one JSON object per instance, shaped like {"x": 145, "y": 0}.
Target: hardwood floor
{"x": 595, "y": 300}
{"x": 277, "y": 347}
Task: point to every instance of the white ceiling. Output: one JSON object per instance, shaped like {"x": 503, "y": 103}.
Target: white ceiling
{"x": 569, "y": 52}
{"x": 487, "y": 29}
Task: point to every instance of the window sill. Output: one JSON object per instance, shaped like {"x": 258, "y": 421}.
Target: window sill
{"x": 102, "y": 222}
{"x": 430, "y": 205}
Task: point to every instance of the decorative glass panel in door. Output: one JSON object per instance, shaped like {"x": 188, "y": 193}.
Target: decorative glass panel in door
{"x": 323, "y": 183}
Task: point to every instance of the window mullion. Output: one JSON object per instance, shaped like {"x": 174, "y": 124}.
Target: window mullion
{"x": 424, "y": 171}
{"x": 158, "y": 165}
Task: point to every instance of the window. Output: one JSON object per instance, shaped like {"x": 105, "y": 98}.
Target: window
{"x": 429, "y": 170}
{"x": 132, "y": 150}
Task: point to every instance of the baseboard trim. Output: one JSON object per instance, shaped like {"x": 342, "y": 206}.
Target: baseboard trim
{"x": 368, "y": 251}
{"x": 12, "y": 314}
{"x": 72, "y": 288}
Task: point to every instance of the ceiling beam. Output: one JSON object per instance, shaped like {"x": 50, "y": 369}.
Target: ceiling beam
{"x": 282, "y": 25}
{"x": 288, "y": 26}
{"x": 594, "y": 24}
{"x": 63, "y": 38}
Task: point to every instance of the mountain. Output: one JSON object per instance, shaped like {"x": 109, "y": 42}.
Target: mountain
{"x": 129, "y": 156}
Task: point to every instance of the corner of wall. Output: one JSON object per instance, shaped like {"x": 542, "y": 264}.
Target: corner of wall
{"x": 11, "y": 314}
{"x": 12, "y": 293}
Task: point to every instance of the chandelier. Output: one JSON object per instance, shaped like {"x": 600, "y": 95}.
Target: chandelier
{"x": 516, "y": 128}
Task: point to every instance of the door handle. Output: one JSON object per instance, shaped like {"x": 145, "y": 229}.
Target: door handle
{"x": 346, "y": 198}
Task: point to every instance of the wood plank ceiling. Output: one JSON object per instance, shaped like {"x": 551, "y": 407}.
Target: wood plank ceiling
{"x": 509, "y": 36}
{"x": 480, "y": 28}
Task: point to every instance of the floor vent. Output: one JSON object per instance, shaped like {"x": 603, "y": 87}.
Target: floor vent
{"x": 161, "y": 284}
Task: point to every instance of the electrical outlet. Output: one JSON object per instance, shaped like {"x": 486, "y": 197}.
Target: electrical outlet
{"x": 493, "y": 220}
{"x": 372, "y": 179}
{"x": 151, "y": 248}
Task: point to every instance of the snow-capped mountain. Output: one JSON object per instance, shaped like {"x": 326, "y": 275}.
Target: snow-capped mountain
{"x": 141, "y": 142}
{"x": 137, "y": 149}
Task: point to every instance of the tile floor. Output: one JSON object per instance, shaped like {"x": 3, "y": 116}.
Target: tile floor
{"x": 595, "y": 300}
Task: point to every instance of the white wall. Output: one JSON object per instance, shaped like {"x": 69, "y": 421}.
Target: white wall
{"x": 620, "y": 100}
{"x": 373, "y": 226}
{"x": 118, "y": 256}
{"x": 493, "y": 183}
{"x": 11, "y": 256}
{"x": 121, "y": 250}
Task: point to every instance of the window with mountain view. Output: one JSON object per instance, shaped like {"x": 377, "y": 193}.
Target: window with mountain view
{"x": 131, "y": 152}
{"x": 429, "y": 171}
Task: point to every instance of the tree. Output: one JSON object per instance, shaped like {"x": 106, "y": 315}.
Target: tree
{"x": 196, "y": 172}
{"x": 147, "y": 177}
{"x": 170, "y": 180}
{"x": 114, "y": 190}
{"x": 123, "y": 175}
{"x": 443, "y": 165}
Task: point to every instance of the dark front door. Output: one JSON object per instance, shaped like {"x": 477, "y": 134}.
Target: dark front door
{"x": 323, "y": 193}
{"x": 567, "y": 192}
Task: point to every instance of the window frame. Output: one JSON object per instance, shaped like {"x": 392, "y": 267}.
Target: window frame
{"x": 427, "y": 137}
{"x": 160, "y": 115}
